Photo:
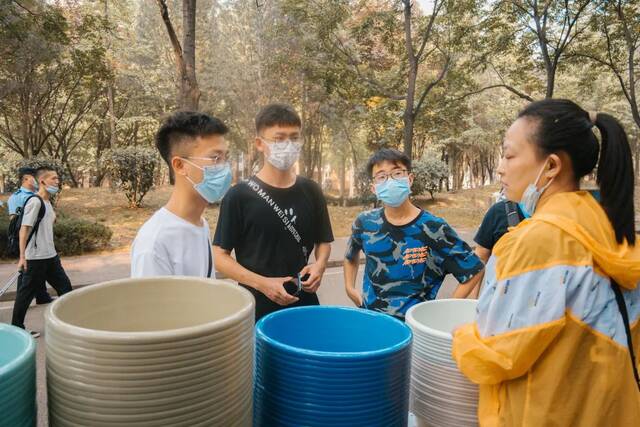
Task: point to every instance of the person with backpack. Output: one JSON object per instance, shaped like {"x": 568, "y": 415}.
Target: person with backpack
{"x": 28, "y": 187}
{"x": 274, "y": 221}
{"x": 39, "y": 261}
{"x": 497, "y": 221}
{"x": 501, "y": 216}
{"x": 15, "y": 205}
{"x": 557, "y": 325}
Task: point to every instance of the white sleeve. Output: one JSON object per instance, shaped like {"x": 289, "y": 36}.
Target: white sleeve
{"x": 148, "y": 264}
{"x": 31, "y": 210}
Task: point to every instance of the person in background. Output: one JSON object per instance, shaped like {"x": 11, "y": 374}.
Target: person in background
{"x": 274, "y": 221}
{"x": 175, "y": 240}
{"x": 28, "y": 187}
{"x": 500, "y": 217}
{"x": 503, "y": 215}
{"x": 557, "y": 329}
{"x": 39, "y": 261}
{"x": 408, "y": 251}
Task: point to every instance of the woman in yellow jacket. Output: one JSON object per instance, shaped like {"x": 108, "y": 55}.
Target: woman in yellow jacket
{"x": 549, "y": 345}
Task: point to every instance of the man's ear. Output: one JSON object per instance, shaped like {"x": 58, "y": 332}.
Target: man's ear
{"x": 373, "y": 188}
{"x": 178, "y": 166}
{"x": 260, "y": 145}
{"x": 411, "y": 178}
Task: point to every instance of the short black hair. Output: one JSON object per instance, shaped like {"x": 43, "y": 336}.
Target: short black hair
{"x": 185, "y": 126}
{"x": 277, "y": 115}
{"x": 26, "y": 171}
{"x": 388, "y": 155}
{"x": 43, "y": 170}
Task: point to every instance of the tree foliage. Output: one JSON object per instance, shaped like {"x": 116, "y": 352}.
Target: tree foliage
{"x": 440, "y": 79}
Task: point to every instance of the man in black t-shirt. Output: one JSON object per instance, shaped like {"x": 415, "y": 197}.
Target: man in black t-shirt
{"x": 494, "y": 225}
{"x": 274, "y": 220}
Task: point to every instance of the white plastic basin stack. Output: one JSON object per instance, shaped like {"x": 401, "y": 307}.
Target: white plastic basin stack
{"x": 151, "y": 352}
{"x": 441, "y": 396}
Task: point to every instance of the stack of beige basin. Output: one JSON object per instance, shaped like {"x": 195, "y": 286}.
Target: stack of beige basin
{"x": 441, "y": 396}
{"x": 151, "y": 352}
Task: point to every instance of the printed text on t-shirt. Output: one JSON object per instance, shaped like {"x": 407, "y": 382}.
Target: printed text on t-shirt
{"x": 281, "y": 213}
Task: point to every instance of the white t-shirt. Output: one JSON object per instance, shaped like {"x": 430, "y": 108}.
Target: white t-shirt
{"x": 168, "y": 245}
{"x": 41, "y": 245}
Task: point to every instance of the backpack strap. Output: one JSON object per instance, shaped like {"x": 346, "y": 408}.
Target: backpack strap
{"x": 622, "y": 307}
{"x": 41, "y": 212}
{"x": 210, "y": 269}
{"x": 511, "y": 209}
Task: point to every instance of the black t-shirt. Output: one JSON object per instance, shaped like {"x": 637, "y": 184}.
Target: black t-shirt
{"x": 494, "y": 225}
{"x": 263, "y": 224}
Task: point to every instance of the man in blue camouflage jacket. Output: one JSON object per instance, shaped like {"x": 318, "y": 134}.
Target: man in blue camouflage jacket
{"x": 408, "y": 251}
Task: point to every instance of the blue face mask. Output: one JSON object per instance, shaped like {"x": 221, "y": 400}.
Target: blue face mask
{"x": 216, "y": 180}
{"x": 52, "y": 189}
{"x": 531, "y": 195}
{"x": 393, "y": 192}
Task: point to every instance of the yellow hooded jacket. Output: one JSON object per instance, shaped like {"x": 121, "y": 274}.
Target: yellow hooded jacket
{"x": 549, "y": 347}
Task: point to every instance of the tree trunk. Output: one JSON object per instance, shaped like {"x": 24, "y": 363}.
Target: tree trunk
{"x": 110, "y": 90}
{"x": 409, "y": 116}
{"x": 190, "y": 92}
{"x": 112, "y": 117}
{"x": 74, "y": 182}
{"x": 551, "y": 82}
{"x": 343, "y": 180}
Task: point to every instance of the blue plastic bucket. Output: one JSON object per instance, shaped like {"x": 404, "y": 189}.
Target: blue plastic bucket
{"x": 331, "y": 366}
{"x": 17, "y": 377}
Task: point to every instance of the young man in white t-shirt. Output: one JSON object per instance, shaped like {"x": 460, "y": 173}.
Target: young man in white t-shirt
{"x": 15, "y": 204}
{"x": 39, "y": 261}
{"x": 175, "y": 241}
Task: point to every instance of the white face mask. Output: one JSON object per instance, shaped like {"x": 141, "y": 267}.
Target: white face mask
{"x": 531, "y": 195}
{"x": 283, "y": 155}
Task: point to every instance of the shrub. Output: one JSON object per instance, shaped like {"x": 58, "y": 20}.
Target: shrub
{"x": 428, "y": 174}
{"x": 72, "y": 236}
{"x": 132, "y": 170}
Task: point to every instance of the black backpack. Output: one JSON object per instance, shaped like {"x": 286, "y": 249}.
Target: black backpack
{"x": 13, "y": 232}
{"x": 511, "y": 209}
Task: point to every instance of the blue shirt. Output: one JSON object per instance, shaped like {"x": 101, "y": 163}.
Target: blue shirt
{"x": 18, "y": 199}
{"x": 406, "y": 265}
